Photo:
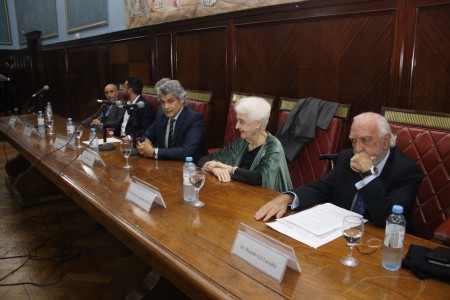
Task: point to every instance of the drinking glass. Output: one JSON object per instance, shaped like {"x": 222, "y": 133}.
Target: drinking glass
{"x": 78, "y": 134}
{"x": 352, "y": 230}
{"x": 197, "y": 179}
{"x": 50, "y": 126}
{"x": 125, "y": 147}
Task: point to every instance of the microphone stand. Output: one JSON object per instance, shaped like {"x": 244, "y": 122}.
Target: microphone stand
{"x": 40, "y": 103}
{"x": 105, "y": 146}
{"x": 37, "y": 106}
{"x": 134, "y": 151}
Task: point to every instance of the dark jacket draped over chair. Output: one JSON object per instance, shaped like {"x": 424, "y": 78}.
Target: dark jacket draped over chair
{"x": 300, "y": 125}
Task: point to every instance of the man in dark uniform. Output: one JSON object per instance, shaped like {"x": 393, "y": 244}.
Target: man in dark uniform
{"x": 12, "y": 87}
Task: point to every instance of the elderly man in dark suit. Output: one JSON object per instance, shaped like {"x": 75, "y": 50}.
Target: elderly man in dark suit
{"x": 368, "y": 179}
{"x": 178, "y": 131}
{"x": 114, "y": 114}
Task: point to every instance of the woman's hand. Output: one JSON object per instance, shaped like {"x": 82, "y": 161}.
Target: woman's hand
{"x": 212, "y": 164}
{"x": 222, "y": 174}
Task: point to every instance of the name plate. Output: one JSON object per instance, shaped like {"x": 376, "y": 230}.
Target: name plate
{"x": 61, "y": 143}
{"x": 143, "y": 194}
{"x": 14, "y": 121}
{"x": 29, "y": 129}
{"x": 89, "y": 157}
{"x": 264, "y": 253}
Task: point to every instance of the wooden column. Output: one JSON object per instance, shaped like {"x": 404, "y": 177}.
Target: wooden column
{"x": 34, "y": 48}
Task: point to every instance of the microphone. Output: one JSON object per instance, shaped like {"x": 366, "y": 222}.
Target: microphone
{"x": 107, "y": 102}
{"x": 44, "y": 88}
{"x": 139, "y": 104}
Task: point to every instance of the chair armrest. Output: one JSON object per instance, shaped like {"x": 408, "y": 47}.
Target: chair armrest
{"x": 442, "y": 232}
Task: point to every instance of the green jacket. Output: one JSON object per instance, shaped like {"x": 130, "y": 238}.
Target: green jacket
{"x": 270, "y": 161}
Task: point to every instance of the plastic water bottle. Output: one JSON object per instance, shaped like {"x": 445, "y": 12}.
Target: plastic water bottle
{"x": 49, "y": 111}
{"x": 41, "y": 123}
{"x": 70, "y": 127}
{"x": 70, "y": 131}
{"x": 393, "y": 240}
{"x": 93, "y": 139}
{"x": 188, "y": 189}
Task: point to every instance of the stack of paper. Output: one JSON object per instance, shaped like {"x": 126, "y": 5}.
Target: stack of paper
{"x": 315, "y": 226}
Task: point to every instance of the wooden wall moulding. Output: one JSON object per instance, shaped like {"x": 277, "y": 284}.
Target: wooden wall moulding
{"x": 365, "y": 53}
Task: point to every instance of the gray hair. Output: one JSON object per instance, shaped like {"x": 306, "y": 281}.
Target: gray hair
{"x": 171, "y": 86}
{"x": 161, "y": 82}
{"x": 382, "y": 124}
{"x": 256, "y": 109}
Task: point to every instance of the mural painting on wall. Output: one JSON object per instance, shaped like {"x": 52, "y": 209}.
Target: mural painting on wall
{"x": 145, "y": 12}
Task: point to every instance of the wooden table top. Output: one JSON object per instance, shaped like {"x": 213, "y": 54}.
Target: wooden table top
{"x": 191, "y": 247}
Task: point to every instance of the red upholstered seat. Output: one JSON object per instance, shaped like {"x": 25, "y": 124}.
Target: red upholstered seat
{"x": 199, "y": 100}
{"x": 308, "y": 167}
{"x": 231, "y": 133}
{"x": 153, "y": 100}
{"x": 121, "y": 95}
{"x": 425, "y": 138}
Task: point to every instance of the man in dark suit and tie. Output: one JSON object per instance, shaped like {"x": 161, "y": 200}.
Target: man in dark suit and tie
{"x": 114, "y": 114}
{"x": 368, "y": 179}
{"x": 178, "y": 131}
{"x": 135, "y": 120}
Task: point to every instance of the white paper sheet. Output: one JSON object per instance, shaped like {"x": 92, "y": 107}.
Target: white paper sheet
{"x": 315, "y": 226}
{"x": 108, "y": 140}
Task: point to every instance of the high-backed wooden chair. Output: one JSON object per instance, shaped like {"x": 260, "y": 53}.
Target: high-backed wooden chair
{"x": 200, "y": 101}
{"x": 231, "y": 133}
{"x": 308, "y": 166}
{"x": 121, "y": 92}
{"x": 425, "y": 138}
{"x": 149, "y": 94}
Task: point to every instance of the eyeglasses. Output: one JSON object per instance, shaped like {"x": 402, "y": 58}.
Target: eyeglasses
{"x": 371, "y": 246}
{"x": 368, "y": 247}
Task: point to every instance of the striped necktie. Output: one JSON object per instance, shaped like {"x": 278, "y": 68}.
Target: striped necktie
{"x": 170, "y": 139}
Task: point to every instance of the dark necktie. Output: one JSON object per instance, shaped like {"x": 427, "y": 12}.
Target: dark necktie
{"x": 359, "y": 205}
{"x": 170, "y": 139}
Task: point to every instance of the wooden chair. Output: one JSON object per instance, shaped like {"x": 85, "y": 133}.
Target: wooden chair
{"x": 121, "y": 95}
{"x": 309, "y": 166}
{"x": 149, "y": 94}
{"x": 231, "y": 133}
{"x": 200, "y": 101}
{"x": 425, "y": 138}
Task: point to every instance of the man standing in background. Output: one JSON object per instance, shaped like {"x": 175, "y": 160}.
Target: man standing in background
{"x": 12, "y": 88}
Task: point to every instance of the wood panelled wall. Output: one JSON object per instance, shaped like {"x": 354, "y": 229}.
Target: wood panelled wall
{"x": 364, "y": 53}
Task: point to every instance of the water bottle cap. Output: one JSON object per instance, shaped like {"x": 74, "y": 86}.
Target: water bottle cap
{"x": 397, "y": 209}
{"x": 92, "y": 129}
{"x": 48, "y": 103}
{"x": 40, "y": 112}
{"x": 69, "y": 119}
{"x": 188, "y": 159}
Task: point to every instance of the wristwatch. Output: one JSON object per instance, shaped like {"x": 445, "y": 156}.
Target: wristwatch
{"x": 372, "y": 171}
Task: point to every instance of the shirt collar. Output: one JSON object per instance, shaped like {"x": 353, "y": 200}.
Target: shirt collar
{"x": 134, "y": 101}
{"x": 381, "y": 164}
{"x": 178, "y": 114}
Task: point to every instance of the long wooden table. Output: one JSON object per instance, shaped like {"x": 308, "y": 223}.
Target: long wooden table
{"x": 191, "y": 247}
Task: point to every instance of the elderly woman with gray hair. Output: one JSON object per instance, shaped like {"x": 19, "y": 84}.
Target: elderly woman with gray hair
{"x": 257, "y": 158}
